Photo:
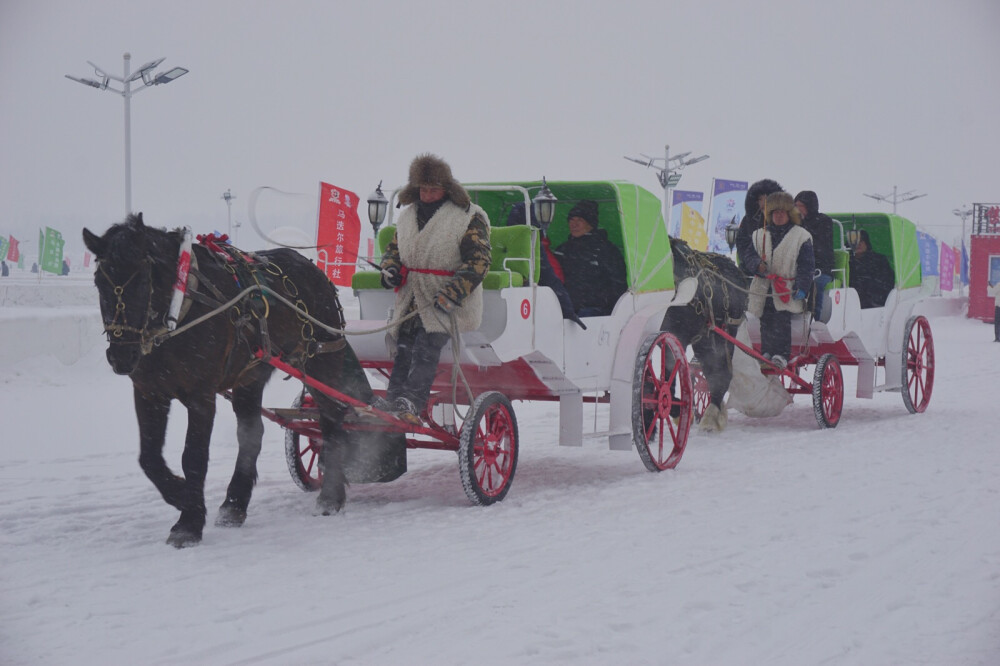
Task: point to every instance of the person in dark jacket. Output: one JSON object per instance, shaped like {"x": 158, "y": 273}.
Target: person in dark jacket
{"x": 821, "y": 228}
{"x": 593, "y": 266}
{"x": 550, "y": 274}
{"x": 871, "y": 274}
{"x": 746, "y": 255}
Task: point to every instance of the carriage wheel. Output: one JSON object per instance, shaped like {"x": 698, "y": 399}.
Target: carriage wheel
{"x": 661, "y": 402}
{"x": 828, "y": 391}
{"x": 302, "y": 454}
{"x": 700, "y": 392}
{"x": 488, "y": 445}
{"x": 918, "y": 364}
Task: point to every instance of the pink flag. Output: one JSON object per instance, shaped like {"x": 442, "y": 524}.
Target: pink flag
{"x": 13, "y": 253}
{"x": 947, "y": 267}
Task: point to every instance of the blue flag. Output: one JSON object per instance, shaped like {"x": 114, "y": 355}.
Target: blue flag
{"x": 928, "y": 254}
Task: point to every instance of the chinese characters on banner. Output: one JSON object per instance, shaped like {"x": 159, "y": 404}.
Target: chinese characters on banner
{"x": 338, "y": 233}
{"x": 947, "y": 267}
{"x": 50, "y": 251}
{"x": 13, "y": 253}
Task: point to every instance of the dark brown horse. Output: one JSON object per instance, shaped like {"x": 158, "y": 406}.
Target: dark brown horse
{"x": 135, "y": 276}
{"x": 720, "y": 301}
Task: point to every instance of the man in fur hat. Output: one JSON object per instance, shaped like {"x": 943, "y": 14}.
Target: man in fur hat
{"x": 746, "y": 256}
{"x": 436, "y": 262}
{"x": 593, "y": 266}
{"x": 783, "y": 275}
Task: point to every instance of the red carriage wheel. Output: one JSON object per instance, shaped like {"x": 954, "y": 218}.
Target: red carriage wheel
{"x": 828, "y": 391}
{"x": 488, "y": 446}
{"x": 662, "y": 403}
{"x": 918, "y": 364}
{"x": 302, "y": 453}
{"x": 701, "y": 393}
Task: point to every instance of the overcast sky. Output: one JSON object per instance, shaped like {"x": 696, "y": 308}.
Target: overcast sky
{"x": 842, "y": 97}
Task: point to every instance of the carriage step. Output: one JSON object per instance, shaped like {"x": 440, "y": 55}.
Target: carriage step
{"x": 292, "y": 413}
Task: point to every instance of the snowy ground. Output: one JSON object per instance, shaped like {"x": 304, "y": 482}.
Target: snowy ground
{"x": 775, "y": 543}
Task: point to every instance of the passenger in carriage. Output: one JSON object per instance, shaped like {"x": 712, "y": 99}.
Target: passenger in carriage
{"x": 593, "y": 266}
{"x": 821, "y": 227}
{"x": 746, "y": 255}
{"x": 436, "y": 262}
{"x": 783, "y": 273}
{"x": 550, "y": 274}
{"x": 871, "y": 275}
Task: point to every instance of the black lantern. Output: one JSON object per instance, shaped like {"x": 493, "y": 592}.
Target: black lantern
{"x": 731, "y": 230}
{"x": 853, "y": 237}
{"x": 377, "y": 207}
{"x": 544, "y": 206}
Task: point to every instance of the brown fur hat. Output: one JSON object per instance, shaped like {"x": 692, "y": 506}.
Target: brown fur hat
{"x": 431, "y": 170}
{"x": 782, "y": 201}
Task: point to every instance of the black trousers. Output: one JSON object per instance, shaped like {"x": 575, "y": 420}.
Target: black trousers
{"x": 775, "y": 330}
{"x": 996, "y": 324}
{"x": 413, "y": 370}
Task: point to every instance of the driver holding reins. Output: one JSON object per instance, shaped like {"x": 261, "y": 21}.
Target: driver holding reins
{"x": 436, "y": 262}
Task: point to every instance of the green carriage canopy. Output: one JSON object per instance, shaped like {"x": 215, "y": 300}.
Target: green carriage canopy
{"x": 631, "y": 216}
{"x": 891, "y": 235}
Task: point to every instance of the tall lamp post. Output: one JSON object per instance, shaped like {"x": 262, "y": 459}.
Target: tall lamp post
{"x": 964, "y": 212}
{"x": 896, "y": 198}
{"x": 228, "y": 196}
{"x": 148, "y": 79}
{"x": 669, "y": 174}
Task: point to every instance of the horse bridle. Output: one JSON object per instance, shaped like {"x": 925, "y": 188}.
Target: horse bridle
{"x": 115, "y": 329}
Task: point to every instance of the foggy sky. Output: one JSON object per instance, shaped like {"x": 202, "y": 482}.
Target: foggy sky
{"x": 843, "y": 98}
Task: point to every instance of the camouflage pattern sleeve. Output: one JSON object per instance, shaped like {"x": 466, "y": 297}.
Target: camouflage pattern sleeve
{"x": 390, "y": 259}
{"x": 476, "y": 258}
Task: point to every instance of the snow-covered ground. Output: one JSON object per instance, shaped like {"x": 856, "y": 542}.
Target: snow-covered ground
{"x": 774, "y": 543}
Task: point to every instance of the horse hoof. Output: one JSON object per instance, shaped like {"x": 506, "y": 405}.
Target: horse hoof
{"x": 327, "y": 506}
{"x": 230, "y": 516}
{"x": 183, "y": 538}
{"x": 713, "y": 420}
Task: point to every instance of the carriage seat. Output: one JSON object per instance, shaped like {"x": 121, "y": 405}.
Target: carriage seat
{"x": 841, "y": 269}
{"x": 509, "y": 265}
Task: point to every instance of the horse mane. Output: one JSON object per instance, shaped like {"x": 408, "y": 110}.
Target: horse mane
{"x": 132, "y": 239}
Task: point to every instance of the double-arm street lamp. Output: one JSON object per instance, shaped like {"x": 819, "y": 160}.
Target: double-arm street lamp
{"x": 669, "y": 174}
{"x": 148, "y": 79}
{"x": 895, "y": 198}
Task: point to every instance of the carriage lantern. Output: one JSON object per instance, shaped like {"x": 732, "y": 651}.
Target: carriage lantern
{"x": 544, "y": 205}
{"x": 731, "y": 230}
{"x": 377, "y": 207}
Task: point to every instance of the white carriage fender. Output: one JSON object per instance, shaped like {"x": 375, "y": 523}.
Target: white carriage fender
{"x": 620, "y": 389}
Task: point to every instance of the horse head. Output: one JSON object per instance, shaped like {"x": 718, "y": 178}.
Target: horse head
{"x": 133, "y": 279}
{"x": 684, "y": 264}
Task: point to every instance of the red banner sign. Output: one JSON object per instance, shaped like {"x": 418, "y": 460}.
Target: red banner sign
{"x": 13, "y": 254}
{"x": 338, "y": 233}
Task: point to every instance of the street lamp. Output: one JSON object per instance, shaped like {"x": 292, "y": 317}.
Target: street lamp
{"x": 148, "y": 79}
{"x": 228, "y": 196}
{"x": 669, "y": 174}
{"x": 896, "y": 198}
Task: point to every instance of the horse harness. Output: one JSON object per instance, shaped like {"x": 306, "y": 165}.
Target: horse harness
{"x": 700, "y": 263}
{"x": 246, "y": 270}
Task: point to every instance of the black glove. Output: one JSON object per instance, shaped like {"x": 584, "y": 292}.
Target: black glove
{"x": 391, "y": 277}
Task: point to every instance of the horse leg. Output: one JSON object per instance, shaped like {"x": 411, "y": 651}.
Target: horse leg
{"x": 201, "y": 415}
{"x": 333, "y": 494}
{"x": 715, "y": 364}
{"x": 151, "y": 412}
{"x": 249, "y": 433}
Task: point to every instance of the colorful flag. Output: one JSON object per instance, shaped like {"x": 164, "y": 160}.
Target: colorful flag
{"x": 725, "y": 208}
{"x": 86, "y": 260}
{"x": 947, "y": 267}
{"x": 50, "y": 251}
{"x": 678, "y": 199}
{"x": 3, "y": 248}
{"x": 693, "y": 228}
{"x": 964, "y": 273}
{"x": 928, "y": 254}
{"x": 13, "y": 254}
{"x": 338, "y": 233}
{"x": 958, "y": 260}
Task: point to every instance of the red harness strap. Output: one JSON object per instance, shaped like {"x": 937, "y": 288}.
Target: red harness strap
{"x": 405, "y": 270}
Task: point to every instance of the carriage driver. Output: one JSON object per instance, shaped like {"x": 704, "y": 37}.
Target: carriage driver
{"x": 436, "y": 262}
{"x": 783, "y": 274}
